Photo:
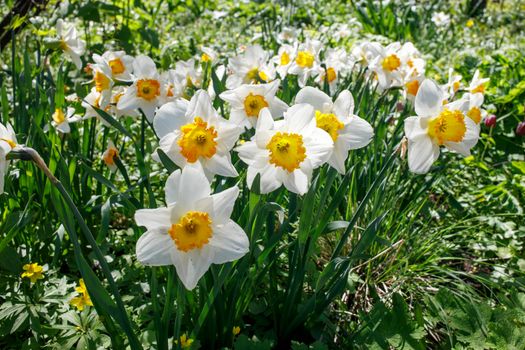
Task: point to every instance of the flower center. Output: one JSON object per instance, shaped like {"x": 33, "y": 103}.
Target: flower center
{"x": 330, "y": 74}
{"x": 286, "y": 150}
{"x": 254, "y": 74}
{"x": 198, "y": 140}
{"x": 480, "y": 88}
{"x": 253, "y": 104}
{"x": 412, "y": 87}
{"x": 304, "y": 59}
{"x": 285, "y": 59}
{"x": 205, "y": 57}
{"x": 475, "y": 114}
{"x": 59, "y": 116}
{"x": 109, "y": 157}
{"x": 448, "y": 126}
{"x": 329, "y": 123}
{"x": 192, "y": 231}
{"x": 456, "y": 86}
{"x": 117, "y": 67}
{"x": 391, "y": 63}
{"x": 148, "y": 89}
{"x": 101, "y": 81}
{"x": 410, "y": 63}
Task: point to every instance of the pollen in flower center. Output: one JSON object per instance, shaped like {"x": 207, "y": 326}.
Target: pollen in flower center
{"x": 304, "y": 59}
{"x": 59, "y": 116}
{"x": 198, "y": 140}
{"x": 148, "y": 89}
{"x": 286, "y": 150}
{"x": 192, "y": 231}
{"x": 391, "y": 63}
{"x": 329, "y": 123}
{"x": 448, "y": 126}
{"x": 101, "y": 81}
{"x": 116, "y": 65}
{"x": 253, "y": 104}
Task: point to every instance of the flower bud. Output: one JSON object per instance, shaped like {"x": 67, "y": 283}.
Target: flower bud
{"x": 490, "y": 121}
{"x": 520, "y": 129}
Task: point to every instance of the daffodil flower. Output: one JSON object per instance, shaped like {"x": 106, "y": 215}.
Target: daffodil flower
{"x": 306, "y": 63}
{"x": 453, "y": 84}
{"x": 7, "y": 144}
{"x": 474, "y": 110}
{"x": 33, "y": 271}
{"x": 61, "y": 120}
{"x": 102, "y": 77}
{"x": 336, "y": 62}
{"x": 478, "y": 84}
{"x": 194, "y": 230}
{"x": 437, "y": 125}
{"x": 199, "y": 135}
{"x": 109, "y": 156}
{"x": 70, "y": 42}
{"x": 284, "y": 59}
{"x": 347, "y": 130}
{"x": 247, "y": 101}
{"x": 286, "y": 152}
{"x": 145, "y": 91}
{"x": 120, "y": 63}
{"x": 249, "y": 67}
{"x": 387, "y": 66}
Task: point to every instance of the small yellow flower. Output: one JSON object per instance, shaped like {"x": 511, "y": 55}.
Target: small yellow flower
{"x": 236, "y": 330}
{"x": 470, "y": 23}
{"x": 33, "y": 271}
{"x": 83, "y": 299}
{"x": 185, "y": 342}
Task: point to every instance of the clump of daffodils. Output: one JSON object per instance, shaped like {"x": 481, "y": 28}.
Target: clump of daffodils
{"x": 279, "y": 144}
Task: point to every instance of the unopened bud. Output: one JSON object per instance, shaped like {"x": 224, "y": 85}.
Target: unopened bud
{"x": 520, "y": 129}
{"x": 490, "y": 121}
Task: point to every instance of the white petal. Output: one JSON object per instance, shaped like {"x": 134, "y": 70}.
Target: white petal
{"x": 191, "y": 266}
{"x": 154, "y": 248}
{"x": 422, "y": 153}
{"x": 299, "y": 118}
{"x": 429, "y": 99}
{"x": 229, "y": 242}
{"x": 144, "y": 67}
{"x": 221, "y": 164}
{"x": 358, "y": 133}
{"x": 152, "y": 219}
{"x": 297, "y": 182}
{"x": 223, "y": 203}
{"x": 169, "y": 117}
{"x": 344, "y": 104}
{"x": 313, "y": 97}
{"x": 200, "y": 106}
{"x": 192, "y": 184}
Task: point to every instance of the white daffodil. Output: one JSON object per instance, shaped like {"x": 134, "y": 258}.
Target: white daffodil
{"x": 145, "y": 91}
{"x": 199, "y": 135}
{"x": 188, "y": 74}
{"x": 249, "y": 67}
{"x": 346, "y": 129}
{"x": 172, "y": 87}
{"x": 7, "y": 144}
{"x": 286, "y": 151}
{"x": 120, "y": 63}
{"x": 306, "y": 63}
{"x": 411, "y": 85}
{"x": 247, "y": 101}
{"x": 109, "y": 156}
{"x": 474, "y": 110}
{"x": 114, "y": 110}
{"x": 437, "y": 125}
{"x": 70, "y": 43}
{"x": 453, "y": 84}
{"x": 440, "y": 19}
{"x": 336, "y": 63}
{"x": 364, "y": 53}
{"x": 478, "y": 84}
{"x": 208, "y": 54}
{"x": 387, "y": 66}
{"x": 93, "y": 100}
{"x": 194, "y": 230}
{"x": 102, "y": 79}
{"x": 61, "y": 121}
{"x": 284, "y": 59}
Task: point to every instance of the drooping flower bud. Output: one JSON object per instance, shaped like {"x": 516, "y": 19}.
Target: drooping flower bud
{"x": 520, "y": 129}
{"x": 490, "y": 121}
